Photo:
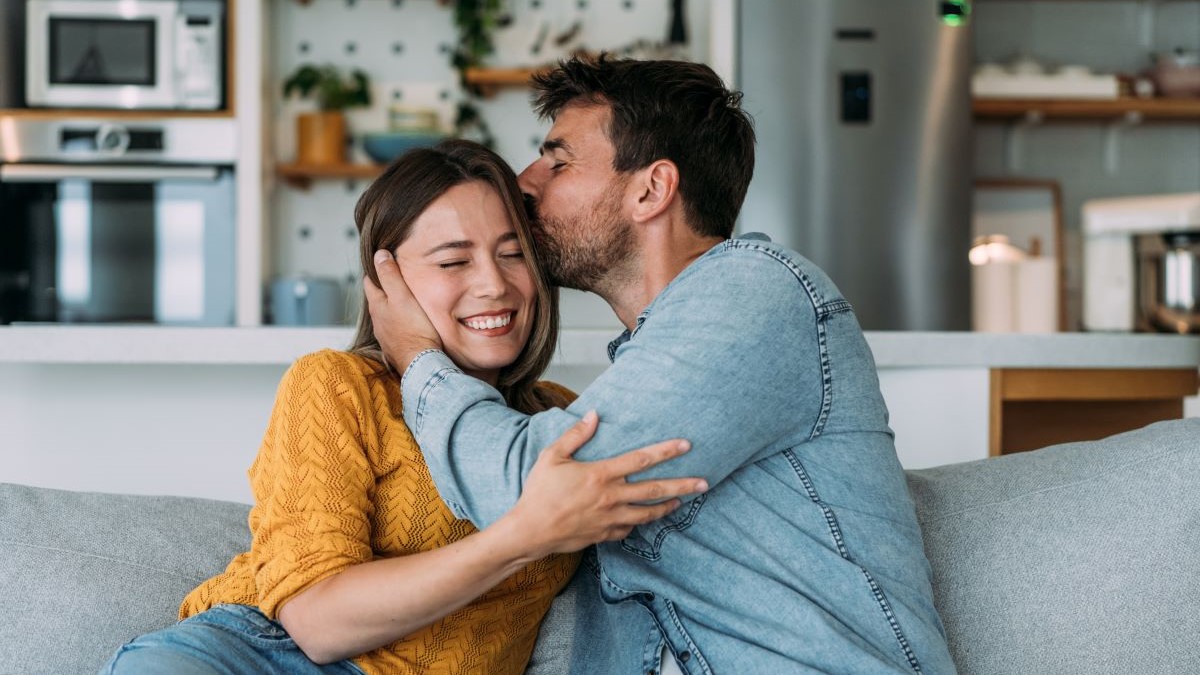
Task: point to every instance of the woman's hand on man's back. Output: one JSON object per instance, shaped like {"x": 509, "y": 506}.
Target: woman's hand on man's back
{"x": 567, "y": 505}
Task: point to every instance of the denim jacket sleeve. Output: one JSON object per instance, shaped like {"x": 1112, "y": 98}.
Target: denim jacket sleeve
{"x": 728, "y": 356}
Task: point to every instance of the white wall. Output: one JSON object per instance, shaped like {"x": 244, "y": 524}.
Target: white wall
{"x": 401, "y": 46}
{"x": 186, "y": 430}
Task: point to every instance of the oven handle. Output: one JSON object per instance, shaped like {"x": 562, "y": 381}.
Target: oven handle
{"x": 40, "y": 173}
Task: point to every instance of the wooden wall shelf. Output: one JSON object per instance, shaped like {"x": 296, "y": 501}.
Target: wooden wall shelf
{"x": 302, "y": 175}
{"x": 69, "y": 113}
{"x": 1146, "y": 108}
{"x": 490, "y": 79}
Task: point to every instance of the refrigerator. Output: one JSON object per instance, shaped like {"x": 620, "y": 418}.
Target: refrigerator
{"x": 862, "y": 113}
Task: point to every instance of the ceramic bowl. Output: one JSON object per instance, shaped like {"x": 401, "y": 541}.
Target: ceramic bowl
{"x": 385, "y": 146}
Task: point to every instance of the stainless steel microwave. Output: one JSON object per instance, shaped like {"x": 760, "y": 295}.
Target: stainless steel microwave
{"x": 106, "y": 223}
{"x": 153, "y": 54}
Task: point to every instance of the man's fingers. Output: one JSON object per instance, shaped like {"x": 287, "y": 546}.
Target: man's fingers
{"x": 391, "y": 282}
{"x": 643, "y": 458}
{"x": 374, "y": 294}
{"x": 658, "y": 490}
{"x": 575, "y": 437}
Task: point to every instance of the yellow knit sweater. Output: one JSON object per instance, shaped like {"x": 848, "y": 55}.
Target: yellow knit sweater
{"x": 340, "y": 481}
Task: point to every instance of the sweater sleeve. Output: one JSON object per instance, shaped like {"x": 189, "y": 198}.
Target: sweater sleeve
{"x": 312, "y": 482}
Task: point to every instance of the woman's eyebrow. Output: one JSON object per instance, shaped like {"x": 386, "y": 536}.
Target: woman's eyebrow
{"x": 462, "y": 243}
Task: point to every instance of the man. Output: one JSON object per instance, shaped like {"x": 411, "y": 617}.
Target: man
{"x": 805, "y": 554}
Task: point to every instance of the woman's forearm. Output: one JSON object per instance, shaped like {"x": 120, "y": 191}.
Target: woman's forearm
{"x": 376, "y": 603}
{"x": 565, "y": 506}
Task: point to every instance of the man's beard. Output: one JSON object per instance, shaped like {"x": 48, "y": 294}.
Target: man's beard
{"x": 585, "y": 252}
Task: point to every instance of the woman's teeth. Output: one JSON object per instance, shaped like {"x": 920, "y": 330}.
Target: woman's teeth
{"x": 486, "y": 323}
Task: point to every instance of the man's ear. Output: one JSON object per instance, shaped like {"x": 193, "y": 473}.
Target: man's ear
{"x": 657, "y": 187}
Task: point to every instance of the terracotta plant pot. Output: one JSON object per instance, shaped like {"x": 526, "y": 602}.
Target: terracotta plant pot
{"x": 321, "y": 138}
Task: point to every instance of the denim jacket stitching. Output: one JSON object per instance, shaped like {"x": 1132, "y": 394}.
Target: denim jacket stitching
{"x": 809, "y": 288}
{"x": 419, "y": 407}
{"x": 823, "y": 308}
{"x": 833, "y": 307}
{"x": 411, "y": 364}
{"x": 835, "y": 532}
{"x": 434, "y": 380}
{"x": 655, "y": 550}
{"x": 612, "y": 585}
{"x": 692, "y": 649}
{"x": 892, "y": 621}
{"x": 826, "y": 382}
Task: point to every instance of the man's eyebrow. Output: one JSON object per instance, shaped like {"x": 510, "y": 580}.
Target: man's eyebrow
{"x": 449, "y": 245}
{"x": 552, "y": 144}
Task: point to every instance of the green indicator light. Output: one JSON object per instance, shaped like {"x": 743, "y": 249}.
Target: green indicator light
{"x": 955, "y": 12}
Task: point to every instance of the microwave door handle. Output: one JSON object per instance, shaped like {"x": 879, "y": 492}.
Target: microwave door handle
{"x": 40, "y": 173}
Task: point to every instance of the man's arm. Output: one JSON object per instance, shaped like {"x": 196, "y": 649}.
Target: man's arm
{"x": 729, "y": 358}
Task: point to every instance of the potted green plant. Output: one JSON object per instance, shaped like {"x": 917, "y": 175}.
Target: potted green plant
{"x": 321, "y": 135}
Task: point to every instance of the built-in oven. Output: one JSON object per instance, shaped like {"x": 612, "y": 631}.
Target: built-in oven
{"x": 124, "y": 53}
{"x": 101, "y": 222}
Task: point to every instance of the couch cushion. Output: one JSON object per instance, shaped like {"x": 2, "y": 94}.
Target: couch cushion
{"x": 1080, "y": 558}
{"x": 82, "y": 573}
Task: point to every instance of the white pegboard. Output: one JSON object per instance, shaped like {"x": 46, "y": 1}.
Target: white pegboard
{"x": 403, "y": 46}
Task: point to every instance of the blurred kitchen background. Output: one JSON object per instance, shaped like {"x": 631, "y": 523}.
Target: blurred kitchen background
{"x": 996, "y": 166}
{"x": 874, "y": 158}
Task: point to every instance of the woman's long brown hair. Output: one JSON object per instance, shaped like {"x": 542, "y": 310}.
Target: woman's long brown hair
{"x": 385, "y": 214}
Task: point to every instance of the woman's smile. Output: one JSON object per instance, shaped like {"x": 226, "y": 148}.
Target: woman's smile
{"x": 491, "y": 324}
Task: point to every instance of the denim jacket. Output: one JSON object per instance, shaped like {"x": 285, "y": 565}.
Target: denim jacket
{"x": 804, "y": 556}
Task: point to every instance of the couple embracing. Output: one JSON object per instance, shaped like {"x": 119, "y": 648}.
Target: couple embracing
{"x": 422, "y": 497}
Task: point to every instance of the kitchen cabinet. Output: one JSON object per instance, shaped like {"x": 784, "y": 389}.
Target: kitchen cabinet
{"x": 1033, "y": 408}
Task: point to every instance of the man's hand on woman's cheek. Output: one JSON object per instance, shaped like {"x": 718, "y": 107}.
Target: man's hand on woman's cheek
{"x": 401, "y": 326}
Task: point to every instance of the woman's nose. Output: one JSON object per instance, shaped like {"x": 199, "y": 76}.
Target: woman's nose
{"x": 489, "y": 281}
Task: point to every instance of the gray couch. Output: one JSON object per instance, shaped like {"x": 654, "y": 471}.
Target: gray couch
{"x": 1081, "y": 558}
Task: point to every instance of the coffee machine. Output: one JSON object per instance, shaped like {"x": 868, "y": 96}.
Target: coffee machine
{"x": 1141, "y": 263}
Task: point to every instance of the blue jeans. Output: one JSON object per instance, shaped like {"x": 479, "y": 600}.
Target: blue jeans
{"x": 225, "y": 640}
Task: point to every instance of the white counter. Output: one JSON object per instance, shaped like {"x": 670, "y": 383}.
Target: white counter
{"x": 182, "y": 410}
{"x": 281, "y": 346}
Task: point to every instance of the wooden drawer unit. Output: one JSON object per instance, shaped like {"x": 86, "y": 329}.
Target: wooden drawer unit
{"x": 1033, "y": 408}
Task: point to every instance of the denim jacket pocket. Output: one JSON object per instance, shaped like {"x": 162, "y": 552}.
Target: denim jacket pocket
{"x": 646, "y": 540}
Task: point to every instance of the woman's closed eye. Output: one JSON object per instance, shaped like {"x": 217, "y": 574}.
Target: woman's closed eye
{"x": 451, "y": 264}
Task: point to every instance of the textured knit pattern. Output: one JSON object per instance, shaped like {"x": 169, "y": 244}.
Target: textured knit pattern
{"x": 339, "y": 481}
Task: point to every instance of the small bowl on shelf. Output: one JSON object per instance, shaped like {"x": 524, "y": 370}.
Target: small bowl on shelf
{"x": 385, "y": 146}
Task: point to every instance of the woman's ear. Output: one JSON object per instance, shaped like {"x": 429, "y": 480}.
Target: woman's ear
{"x": 657, "y": 186}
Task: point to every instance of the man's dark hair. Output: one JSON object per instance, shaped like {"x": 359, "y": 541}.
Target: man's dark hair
{"x": 666, "y": 110}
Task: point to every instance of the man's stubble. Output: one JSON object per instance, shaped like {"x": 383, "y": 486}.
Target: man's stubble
{"x": 585, "y": 250}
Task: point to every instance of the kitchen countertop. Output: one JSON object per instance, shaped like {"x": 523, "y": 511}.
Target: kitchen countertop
{"x": 280, "y": 346}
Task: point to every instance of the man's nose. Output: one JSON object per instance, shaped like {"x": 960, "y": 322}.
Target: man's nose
{"x": 530, "y": 180}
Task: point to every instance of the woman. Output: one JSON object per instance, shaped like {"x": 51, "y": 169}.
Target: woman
{"x": 355, "y": 564}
